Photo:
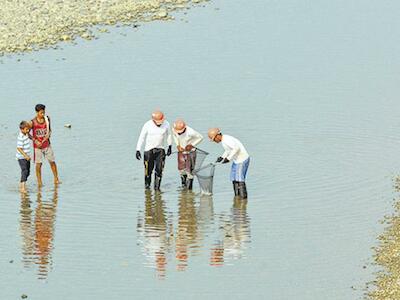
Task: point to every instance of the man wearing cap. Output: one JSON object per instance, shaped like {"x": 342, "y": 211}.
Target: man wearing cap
{"x": 186, "y": 140}
{"x": 235, "y": 152}
{"x": 155, "y": 135}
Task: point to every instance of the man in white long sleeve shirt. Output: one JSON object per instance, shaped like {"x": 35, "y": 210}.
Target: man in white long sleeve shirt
{"x": 186, "y": 140}
{"x": 235, "y": 152}
{"x": 154, "y": 137}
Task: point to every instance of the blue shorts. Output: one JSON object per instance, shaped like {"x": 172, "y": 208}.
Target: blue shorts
{"x": 239, "y": 171}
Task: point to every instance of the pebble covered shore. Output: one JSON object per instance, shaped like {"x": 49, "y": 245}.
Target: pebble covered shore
{"x": 28, "y": 25}
{"x": 386, "y": 286}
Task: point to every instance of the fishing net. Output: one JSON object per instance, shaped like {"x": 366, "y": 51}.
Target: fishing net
{"x": 199, "y": 158}
{"x": 191, "y": 161}
{"x": 205, "y": 176}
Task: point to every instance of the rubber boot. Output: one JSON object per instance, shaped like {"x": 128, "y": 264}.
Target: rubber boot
{"x": 147, "y": 182}
{"x": 183, "y": 180}
{"x": 157, "y": 183}
{"x": 236, "y": 187}
{"x": 189, "y": 184}
{"x": 242, "y": 190}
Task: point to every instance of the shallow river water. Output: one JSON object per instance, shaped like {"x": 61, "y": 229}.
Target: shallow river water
{"x": 310, "y": 88}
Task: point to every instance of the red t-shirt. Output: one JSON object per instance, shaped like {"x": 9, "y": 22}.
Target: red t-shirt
{"x": 39, "y": 132}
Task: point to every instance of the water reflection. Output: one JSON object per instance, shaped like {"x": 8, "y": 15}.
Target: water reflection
{"x": 168, "y": 240}
{"x": 37, "y": 232}
{"x": 235, "y": 234}
{"x": 154, "y": 230}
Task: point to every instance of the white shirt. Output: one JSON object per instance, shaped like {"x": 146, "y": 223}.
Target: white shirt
{"x": 234, "y": 149}
{"x": 24, "y": 143}
{"x": 189, "y": 137}
{"x": 153, "y": 136}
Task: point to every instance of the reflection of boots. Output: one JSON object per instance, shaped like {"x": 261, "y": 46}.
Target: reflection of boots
{"x": 157, "y": 183}
{"x": 183, "y": 180}
{"x": 242, "y": 190}
{"x": 236, "y": 187}
{"x": 147, "y": 182}
{"x": 189, "y": 184}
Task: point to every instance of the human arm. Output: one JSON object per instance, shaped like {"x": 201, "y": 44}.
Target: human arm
{"x": 20, "y": 150}
{"x": 169, "y": 141}
{"x": 141, "y": 139}
{"x": 196, "y": 139}
{"x": 177, "y": 143}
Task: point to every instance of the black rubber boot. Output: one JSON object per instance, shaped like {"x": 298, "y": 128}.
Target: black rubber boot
{"x": 183, "y": 180}
{"x": 157, "y": 183}
{"x": 147, "y": 182}
{"x": 236, "y": 187}
{"x": 242, "y": 190}
{"x": 189, "y": 184}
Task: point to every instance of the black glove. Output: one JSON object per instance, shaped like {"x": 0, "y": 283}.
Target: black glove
{"x": 169, "y": 150}
{"x": 138, "y": 155}
{"x": 219, "y": 159}
{"x": 225, "y": 161}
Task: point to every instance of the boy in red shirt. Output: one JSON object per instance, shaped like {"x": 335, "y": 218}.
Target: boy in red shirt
{"x": 41, "y": 131}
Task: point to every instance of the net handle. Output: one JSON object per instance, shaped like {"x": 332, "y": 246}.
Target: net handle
{"x": 187, "y": 152}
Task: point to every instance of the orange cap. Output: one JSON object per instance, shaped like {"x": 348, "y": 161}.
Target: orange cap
{"x": 179, "y": 126}
{"x": 213, "y": 132}
{"x": 158, "y": 117}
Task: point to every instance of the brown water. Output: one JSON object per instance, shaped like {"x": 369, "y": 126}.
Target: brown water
{"x": 310, "y": 90}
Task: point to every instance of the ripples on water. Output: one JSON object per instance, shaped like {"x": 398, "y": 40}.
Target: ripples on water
{"x": 37, "y": 222}
{"x": 166, "y": 238}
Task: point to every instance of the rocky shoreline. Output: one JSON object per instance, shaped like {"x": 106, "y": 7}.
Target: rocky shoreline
{"x": 30, "y": 25}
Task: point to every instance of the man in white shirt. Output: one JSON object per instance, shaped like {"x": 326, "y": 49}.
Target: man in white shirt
{"x": 234, "y": 151}
{"x": 155, "y": 135}
{"x": 186, "y": 140}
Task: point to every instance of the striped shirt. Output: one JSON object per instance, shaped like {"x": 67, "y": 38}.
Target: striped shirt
{"x": 24, "y": 143}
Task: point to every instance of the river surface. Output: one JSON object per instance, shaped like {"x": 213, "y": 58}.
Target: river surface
{"x": 310, "y": 88}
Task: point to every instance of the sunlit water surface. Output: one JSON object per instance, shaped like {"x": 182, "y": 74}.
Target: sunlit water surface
{"x": 310, "y": 89}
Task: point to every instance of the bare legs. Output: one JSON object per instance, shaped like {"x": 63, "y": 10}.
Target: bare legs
{"x": 39, "y": 175}
{"x": 55, "y": 172}
{"x": 53, "y": 167}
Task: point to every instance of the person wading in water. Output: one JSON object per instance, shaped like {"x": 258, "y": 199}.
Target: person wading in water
{"x": 186, "y": 139}
{"x": 154, "y": 136}
{"x": 41, "y": 132}
{"x": 234, "y": 151}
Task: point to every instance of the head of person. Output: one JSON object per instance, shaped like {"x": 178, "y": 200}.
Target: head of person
{"x": 40, "y": 110}
{"x": 158, "y": 117}
{"x": 179, "y": 126}
{"x": 24, "y": 127}
{"x": 215, "y": 135}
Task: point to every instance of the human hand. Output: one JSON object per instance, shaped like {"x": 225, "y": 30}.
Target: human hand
{"x": 189, "y": 147}
{"x": 180, "y": 149}
{"x": 219, "y": 159}
{"x": 225, "y": 161}
{"x": 138, "y": 155}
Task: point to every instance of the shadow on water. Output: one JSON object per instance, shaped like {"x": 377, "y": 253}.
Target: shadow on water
{"x": 37, "y": 231}
{"x": 168, "y": 240}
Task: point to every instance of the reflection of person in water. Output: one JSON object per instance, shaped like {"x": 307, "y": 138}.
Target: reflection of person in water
{"x": 153, "y": 229}
{"x": 45, "y": 215}
{"x": 26, "y": 228}
{"x": 236, "y": 234}
{"x": 38, "y": 234}
{"x": 187, "y": 235}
